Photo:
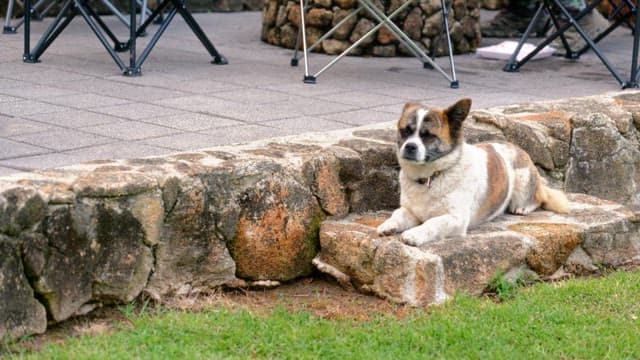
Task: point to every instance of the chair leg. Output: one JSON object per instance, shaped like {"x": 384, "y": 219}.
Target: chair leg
{"x": 445, "y": 23}
{"x": 218, "y": 59}
{"x": 308, "y": 79}
{"x": 8, "y": 29}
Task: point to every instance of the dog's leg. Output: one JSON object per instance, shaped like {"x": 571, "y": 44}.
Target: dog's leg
{"x": 435, "y": 229}
{"x": 401, "y": 220}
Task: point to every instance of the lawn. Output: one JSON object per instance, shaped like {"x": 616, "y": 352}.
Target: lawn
{"x": 576, "y": 319}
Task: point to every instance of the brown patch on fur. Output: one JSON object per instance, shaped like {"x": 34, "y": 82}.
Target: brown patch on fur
{"x": 498, "y": 188}
{"x": 439, "y": 125}
{"x": 407, "y": 114}
{"x": 521, "y": 160}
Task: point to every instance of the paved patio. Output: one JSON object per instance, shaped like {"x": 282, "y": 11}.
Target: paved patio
{"x": 74, "y": 106}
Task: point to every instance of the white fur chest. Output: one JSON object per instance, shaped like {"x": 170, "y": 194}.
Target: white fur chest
{"x": 456, "y": 191}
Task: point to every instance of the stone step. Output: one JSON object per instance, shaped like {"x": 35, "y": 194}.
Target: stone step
{"x": 595, "y": 234}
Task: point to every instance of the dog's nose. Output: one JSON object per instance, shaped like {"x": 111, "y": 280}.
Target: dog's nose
{"x": 410, "y": 148}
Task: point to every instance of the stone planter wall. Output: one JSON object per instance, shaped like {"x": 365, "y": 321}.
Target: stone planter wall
{"x": 422, "y": 22}
{"x": 74, "y": 238}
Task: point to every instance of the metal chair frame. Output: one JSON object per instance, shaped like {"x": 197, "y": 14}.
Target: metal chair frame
{"x": 383, "y": 20}
{"x": 513, "y": 65}
{"x": 71, "y": 8}
{"x": 42, "y": 7}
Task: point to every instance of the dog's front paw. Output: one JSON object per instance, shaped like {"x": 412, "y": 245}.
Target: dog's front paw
{"x": 389, "y": 227}
{"x": 414, "y": 237}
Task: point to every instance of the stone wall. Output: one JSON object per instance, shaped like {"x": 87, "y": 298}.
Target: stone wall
{"x": 105, "y": 232}
{"x": 422, "y": 22}
{"x": 596, "y": 234}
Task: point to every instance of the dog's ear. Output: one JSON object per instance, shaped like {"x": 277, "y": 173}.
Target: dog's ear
{"x": 456, "y": 114}
{"x": 410, "y": 105}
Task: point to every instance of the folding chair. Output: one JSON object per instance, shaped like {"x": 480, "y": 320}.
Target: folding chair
{"x": 42, "y": 7}
{"x": 383, "y": 20}
{"x": 635, "y": 71}
{"x": 37, "y": 13}
{"x": 71, "y": 8}
{"x": 562, "y": 26}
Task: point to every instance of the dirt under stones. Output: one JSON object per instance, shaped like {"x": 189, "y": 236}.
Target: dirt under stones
{"x": 318, "y": 295}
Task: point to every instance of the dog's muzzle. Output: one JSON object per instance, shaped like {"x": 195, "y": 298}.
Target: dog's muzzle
{"x": 410, "y": 151}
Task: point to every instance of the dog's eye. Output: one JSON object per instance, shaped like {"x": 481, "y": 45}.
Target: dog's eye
{"x": 426, "y": 135}
{"x": 406, "y": 131}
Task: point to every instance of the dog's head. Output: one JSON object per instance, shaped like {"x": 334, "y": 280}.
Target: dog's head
{"x": 425, "y": 135}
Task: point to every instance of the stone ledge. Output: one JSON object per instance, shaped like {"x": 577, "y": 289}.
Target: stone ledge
{"x": 107, "y": 231}
{"x": 596, "y": 234}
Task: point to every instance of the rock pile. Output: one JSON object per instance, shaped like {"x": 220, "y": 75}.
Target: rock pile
{"x": 422, "y": 22}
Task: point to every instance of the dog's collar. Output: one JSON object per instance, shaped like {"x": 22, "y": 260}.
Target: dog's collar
{"x": 427, "y": 181}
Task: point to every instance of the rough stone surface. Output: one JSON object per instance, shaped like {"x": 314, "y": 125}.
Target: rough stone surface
{"x": 20, "y": 313}
{"x": 190, "y": 253}
{"x": 334, "y": 47}
{"x": 595, "y": 232}
{"x": 276, "y": 232}
{"x": 421, "y": 21}
{"x": 93, "y": 252}
{"x": 105, "y": 232}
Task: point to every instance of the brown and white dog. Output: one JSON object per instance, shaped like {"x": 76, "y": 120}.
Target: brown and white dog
{"x": 448, "y": 186}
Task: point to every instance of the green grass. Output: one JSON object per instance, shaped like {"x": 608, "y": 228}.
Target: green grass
{"x": 577, "y": 319}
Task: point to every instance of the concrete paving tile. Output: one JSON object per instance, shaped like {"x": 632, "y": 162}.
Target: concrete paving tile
{"x": 365, "y": 116}
{"x": 35, "y": 73}
{"x": 155, "y": 79}
{"x": 75, "y": 118}
{"x": 188, "y": 140}
{"x": 195, "y": 103}
{"x": 305, "y": 124}
{"x": 11, "y": 149}
{"x": 136, "y": 111}
{"x": 12, "y": 69}
{"x": 405, "y": 92}
{"x": 362, "y": 99}
{"x": 8, "y": 84}
{"x": 210, "y": 105}
{"x": 205, "y": 86}
{"x": 310, "y": 107}
{"x": 60, "y": 140}
{"x": 118, "y": 150}
{"x": 8, "y": 171}
{"x": 242, "y": 134}
{"x": 28, "y": 107}
{"x": 85, "y": 100}
{"x": 191, "y": 121}
{"x": 7, "y": 98}
{"x": 35, "y": 91}
{"x": 130, "y": 130}
{"x": 121, "y": 90}
{"x": 11, "y": 126}
{"x": 252, "y": 96}
{"x": 299, "y": 88}
{"x": 252, "y": 79}
{"x": 93, "y": 63}
{"x": 45, "y": 161}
